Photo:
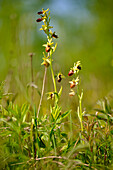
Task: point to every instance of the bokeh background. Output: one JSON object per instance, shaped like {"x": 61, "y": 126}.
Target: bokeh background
{"x": 85, "y": 30}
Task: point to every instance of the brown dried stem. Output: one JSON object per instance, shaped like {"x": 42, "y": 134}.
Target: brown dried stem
{"x": 43, "y": 86}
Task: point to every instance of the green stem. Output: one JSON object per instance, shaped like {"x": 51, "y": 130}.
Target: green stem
{"x": 80, "y": 114}
{"x": 80, "y": 96}
{"x": 80, "y": 106}
{"x": 54, "y": 144}
{"x": 71, "y": 129}
{"x": 53, "y": 77}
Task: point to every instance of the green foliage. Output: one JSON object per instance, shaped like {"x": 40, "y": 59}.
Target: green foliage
{"x": 25, "y": 139}
{"x": 31, "y": 139}
{"x": 1, "y": 89}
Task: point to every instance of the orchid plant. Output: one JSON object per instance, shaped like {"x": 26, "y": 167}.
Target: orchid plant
{"x": 75, "y": 83}
{"x": 50, "y": 48}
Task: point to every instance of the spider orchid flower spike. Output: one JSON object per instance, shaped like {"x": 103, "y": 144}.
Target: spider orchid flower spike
{"x": 71, "y": 72}
{"x": 39, "y": 20}
{"x": 74, "y": 82}
{"x": 77, "y": 67}
{"x": 43, "y": 11}
{"x": 48, "y": 46}
{"x": 46, "y": 62}
{"x": 60, "y": 76}
{"x": 43, "y": 15}
{"x": 40, "y": 12}
{"x": 72, "y": 93}
{"x": 51, "y": 95}
{"x": 54, "y": 35}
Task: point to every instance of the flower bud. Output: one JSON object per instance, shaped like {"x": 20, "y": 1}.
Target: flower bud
{"x": 39, "y": 20}
{"x": 72, "y": 93}
{"x": 46, "y": 63}
{"x": 54, "y": 35}
{"x": 50, "y": 95}
{"x": 71, "y": 72}
{"x": 72, "y": 84}
{"x": 40, "y": 12}
{"x": 48, "y": 48}
{"x": 79, "y": 67}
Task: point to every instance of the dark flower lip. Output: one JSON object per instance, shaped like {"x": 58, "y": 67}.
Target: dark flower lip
{"x": 46, "y": 64}
{"x": 48, "y": 48}
{"x": 51, "y": 95}
{"x": 39, "y": 20}
{"x": 54, "y": 35}
{"x": 72, "y": 85}
{"x": 40, "y": 12}
{"x": 79, "y": 67}
{"x": 71, "y": 72}
{"x": 59, "y": 78}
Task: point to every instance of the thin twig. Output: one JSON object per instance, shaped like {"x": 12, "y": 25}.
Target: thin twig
{"x": 65, "y": 158}
{"x": 51, "y": 157}
{"x": 32, "y": 76}
{"x": 20, "y": 163}
{"x": 7, "y": 94}
{"x": 76, "y": 142}
{"x": 59, "y": 163}
{"x": 42, "y": 91}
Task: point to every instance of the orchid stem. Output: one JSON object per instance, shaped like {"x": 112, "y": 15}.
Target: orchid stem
{"x": 53, "y": 77}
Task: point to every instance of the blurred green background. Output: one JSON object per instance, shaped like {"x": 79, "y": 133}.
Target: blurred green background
{"x": 85, "y": 30}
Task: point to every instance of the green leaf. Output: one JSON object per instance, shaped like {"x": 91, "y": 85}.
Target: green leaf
{"x": 52, "y": 132}
{"x": 24, "y": 111}
{"x": 107, "y": 106}
{"x": 55, "y": 47}
{"x": 60, "y": 92}
{"x": 65, "y": 114}
{"x": 11, "y": 125}
{"x": 111, "y": 132}
{"x": 102, "y": 116}
{"x": 64, "y": 135}
{"x": 100, "y": 110}
{"x": 79, "y": 148}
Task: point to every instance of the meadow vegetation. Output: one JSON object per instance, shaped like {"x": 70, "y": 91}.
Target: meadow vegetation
{"x": 45, "y": 135}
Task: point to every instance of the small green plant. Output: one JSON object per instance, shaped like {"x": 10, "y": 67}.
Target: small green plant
{"x": 75, "y": 82}
{"x": 48, "y": 55}
{"x": 50, "y": 48}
